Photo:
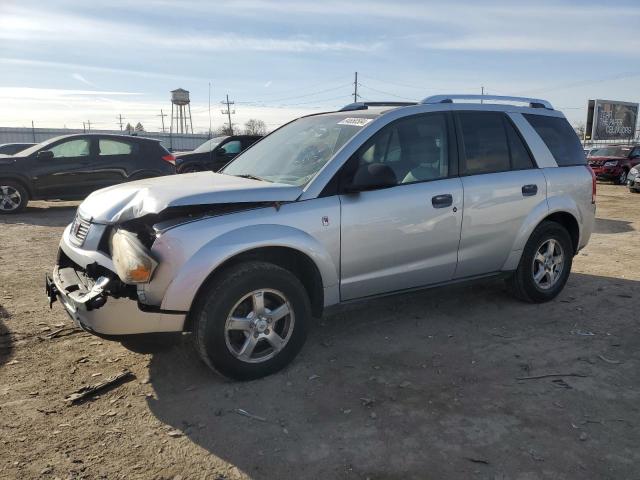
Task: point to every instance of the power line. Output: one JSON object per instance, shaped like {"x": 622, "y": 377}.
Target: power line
{"x": 298, "y": 96}
{"x": 388, "y": 93}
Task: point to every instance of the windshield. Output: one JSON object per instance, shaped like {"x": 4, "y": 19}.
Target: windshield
{"x": 611, "y": 152}
{"x": 209, "y": 145}
{"x": 296, "y": 152}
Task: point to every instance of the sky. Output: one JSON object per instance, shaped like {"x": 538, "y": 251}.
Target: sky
{"x": 65, "y": 62}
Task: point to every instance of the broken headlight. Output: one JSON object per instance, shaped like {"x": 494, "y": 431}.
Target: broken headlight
{"x": 132, "y": 260}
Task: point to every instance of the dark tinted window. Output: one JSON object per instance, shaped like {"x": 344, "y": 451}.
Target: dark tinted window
{"x": 484, "y": 142}
{"x": 560, "y": 138}
{"x": 415, "y": 148}
{"x": 520, "y": 158}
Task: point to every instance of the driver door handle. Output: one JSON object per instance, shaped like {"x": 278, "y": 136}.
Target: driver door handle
{"x": 529, "y": 190}
{"x": 442, "y": 201}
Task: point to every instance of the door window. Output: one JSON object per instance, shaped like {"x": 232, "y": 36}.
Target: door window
{"x": 520, "y": 157}
{"x": 113, "y": 147}
{"x": 232, "y": 147}
{"x": 415, "y": 148}
{"x": 484, "y": 143}
{"x": 72, "y": 148}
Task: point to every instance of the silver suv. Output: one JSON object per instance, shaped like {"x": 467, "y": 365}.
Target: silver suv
{"x": 370, "y": 200}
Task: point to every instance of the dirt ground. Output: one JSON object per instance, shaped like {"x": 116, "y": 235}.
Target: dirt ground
{"x": 423, "y": 385}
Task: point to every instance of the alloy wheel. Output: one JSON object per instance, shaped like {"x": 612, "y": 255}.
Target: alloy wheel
{"x": 10, "y": 198}
{"x": 259, "y": 326}
{"x": 548, "y": 263}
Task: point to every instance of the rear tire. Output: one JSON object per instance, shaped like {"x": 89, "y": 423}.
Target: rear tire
{"x": 251, "y": 320}
{"x": 13, "y": 197}
{"x": 544, "y": 266}
{"x": 622, "y": 179}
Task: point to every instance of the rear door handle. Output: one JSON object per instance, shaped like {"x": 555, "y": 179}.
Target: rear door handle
{"x": 442, "y": 201}
{"x": 529, "y": 190}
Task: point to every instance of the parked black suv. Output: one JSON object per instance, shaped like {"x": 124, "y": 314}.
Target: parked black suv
{"x": 72, "y": 166}
{"x": 13, "y": 148}
{"x": 214, "y": 154}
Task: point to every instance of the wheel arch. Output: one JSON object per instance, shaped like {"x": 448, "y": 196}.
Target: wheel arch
{"x": 22, "y": 181}
{"x": 567, "y": 217}
{"x": 288, "y": 247}
{"x": 291, "y": 259}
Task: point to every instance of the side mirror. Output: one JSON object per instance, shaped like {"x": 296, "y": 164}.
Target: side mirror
{"x": 373, "y": 176}
{"x": 44, "y": 155}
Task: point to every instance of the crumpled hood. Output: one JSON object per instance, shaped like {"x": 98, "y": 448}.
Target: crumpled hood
{"x": 136, "y": 199}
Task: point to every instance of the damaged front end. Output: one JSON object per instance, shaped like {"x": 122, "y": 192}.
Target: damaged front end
{"x": 104, "y": 270}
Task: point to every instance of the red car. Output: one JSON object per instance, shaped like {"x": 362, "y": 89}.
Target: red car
{"x": 613, "y": 162}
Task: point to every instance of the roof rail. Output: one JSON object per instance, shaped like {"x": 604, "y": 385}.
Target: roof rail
{"x": 366, "y": 105}
{"x": 533, "y": 102}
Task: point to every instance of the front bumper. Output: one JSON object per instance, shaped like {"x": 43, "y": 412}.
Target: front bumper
{"x": 607, "y": 173}
{"x": 91, "y": 306}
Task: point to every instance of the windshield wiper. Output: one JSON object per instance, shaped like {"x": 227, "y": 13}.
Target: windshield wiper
{"x": 253, "y": 177}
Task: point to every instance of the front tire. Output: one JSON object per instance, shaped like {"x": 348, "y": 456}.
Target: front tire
{"x": 13, "y": 197}
{"x": 251, "y": 320}
{"x": 544, "y": 266}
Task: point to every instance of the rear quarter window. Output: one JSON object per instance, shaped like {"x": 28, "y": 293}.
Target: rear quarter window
{"x": 560, "y": 138}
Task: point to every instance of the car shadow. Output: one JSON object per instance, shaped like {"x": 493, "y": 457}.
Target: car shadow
{"x": 46, "y": 214}
{"x": 403, "y": 385}
{"x": 6, "y": 346}
{"x": 608, "y": 225}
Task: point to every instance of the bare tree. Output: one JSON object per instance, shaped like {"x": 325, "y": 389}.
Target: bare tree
{"x": 255, "y": 127}
{"x": 139, "y": 127}
{"x": 129, "y": 128}
{"x": 580, "y": 130}
{"x": 224, "y": 130}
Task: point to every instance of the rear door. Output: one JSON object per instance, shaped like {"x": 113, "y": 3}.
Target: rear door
{"x": 116, "y": 161}
{"x": 68, "y": 173}
{"x": 501, "y": 186}
{"x": 404, "y": 236}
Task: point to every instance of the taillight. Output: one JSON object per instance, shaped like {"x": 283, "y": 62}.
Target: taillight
{"x": 593, "y": 185}
{"x": 170, "y": 158}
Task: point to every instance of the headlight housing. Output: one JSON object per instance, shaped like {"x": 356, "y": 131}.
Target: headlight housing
{"x": 611, "y": 163}
{"x": 132, "y": 260}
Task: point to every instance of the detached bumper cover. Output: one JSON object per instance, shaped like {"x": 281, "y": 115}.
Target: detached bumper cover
{"x": 95, "y": 311}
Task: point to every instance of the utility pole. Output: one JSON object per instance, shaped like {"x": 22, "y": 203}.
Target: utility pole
{"x": 84, "y": 127}
{"x": 228, "y": 112}
{"x": 481, "y": 93}
{"x": 209, "y": 111}
{"x": 119, "y": 117}
{"x": 355, "y": 88}
{"x": 162, "y": 115}
{"x": 33, "y": 131}
{"x": 89, "y": 125}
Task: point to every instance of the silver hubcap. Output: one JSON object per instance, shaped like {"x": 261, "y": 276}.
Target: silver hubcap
{"x": 259, "y": 326}
{"x": 10, "y": 198}
{"x": 548, "y": 264}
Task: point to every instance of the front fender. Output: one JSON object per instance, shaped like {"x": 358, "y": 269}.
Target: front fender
{"x": 194, "y": 272}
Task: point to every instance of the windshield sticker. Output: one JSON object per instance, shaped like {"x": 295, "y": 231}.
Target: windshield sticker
{"x": 356, "y": 122}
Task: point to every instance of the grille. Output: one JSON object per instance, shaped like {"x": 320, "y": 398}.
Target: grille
{"x": 79, "y": 230}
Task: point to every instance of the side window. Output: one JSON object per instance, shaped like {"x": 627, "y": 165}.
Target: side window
{"x": 234, "y": 146}
{"x": 416, "y": 148}
{"x": 72, "y": 148}
{"x": 520, "y": 157}
{"x": 484, "y": 143}
{"x": 113, "y": 147}
{"x": 560, "y": 138}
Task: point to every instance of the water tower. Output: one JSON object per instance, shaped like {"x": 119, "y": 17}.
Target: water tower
{"x": 181, "y": 111}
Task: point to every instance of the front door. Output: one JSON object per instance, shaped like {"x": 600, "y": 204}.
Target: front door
{"x": 404, "y": 236}
{"x": 68, "y": 173}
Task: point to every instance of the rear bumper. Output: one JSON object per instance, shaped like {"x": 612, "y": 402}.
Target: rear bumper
{"x": 94, "y": 310}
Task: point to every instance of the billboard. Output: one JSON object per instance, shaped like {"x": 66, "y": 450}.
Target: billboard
{"x": 611, "y": 120}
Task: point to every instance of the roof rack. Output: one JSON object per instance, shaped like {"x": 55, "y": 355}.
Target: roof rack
{"x": 366, "y": 105}
{"x": 533, "y": 102}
